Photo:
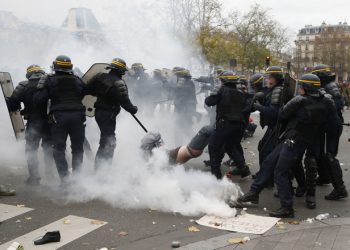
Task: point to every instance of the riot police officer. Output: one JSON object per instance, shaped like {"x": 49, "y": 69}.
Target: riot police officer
{"x": 302, "y": 117}
{"x": 185, "y": 101}
{"x": 65, "y": 92}
{"x": 328, "y": 84}
{"x": 112, "y": 93}
{"x": 230, "y": 102}
{"x": 37, "y": 127}
{"x": 269, "y": 107}
{"x": 329, "y": 169}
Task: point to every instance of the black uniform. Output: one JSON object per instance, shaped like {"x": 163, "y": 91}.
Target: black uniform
{"x": 230, "y": 103}
{"x": 37, "y": 127}
{"x": 185, "y": 102}
{"x": 303, "y": 117}
{"x": 65, "y": 92}
{"x": 112, "y": 94}
{"x": 270, "y": 106}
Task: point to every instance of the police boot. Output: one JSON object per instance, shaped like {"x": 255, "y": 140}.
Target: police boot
{"x": 337, "y": 194}
{"x": 339, "y": 191}
{"x": 310, "y": 201}
{"x": 242, "y": 171}
{"x": 283, "y": 212}
{"x": 33, "y": 181}
{"x": 216, "y": 171}
{"x": 251, "y": 196}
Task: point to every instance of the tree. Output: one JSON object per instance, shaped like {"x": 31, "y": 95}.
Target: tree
{"x": 331, "y": 47}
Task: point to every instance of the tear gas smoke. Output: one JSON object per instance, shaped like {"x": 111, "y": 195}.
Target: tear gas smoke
{"x": 138, "y": 32}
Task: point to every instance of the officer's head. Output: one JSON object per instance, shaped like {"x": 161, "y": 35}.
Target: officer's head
{"x": 324, "y": 73}
{"x": 229, "y": 78}
{"x": 256, "y": 81}
{"x": 138, "y": 68}
{"x": 309, "y": 84}
{"x": 63, "y": 64}
{"x": 182, "y": 72}
{"x": 274, "y": 76}
{"x": 119, "y": 66}
{"x": 34, "y": 71}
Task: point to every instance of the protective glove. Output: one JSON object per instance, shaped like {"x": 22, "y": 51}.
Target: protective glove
{"x": 133, "y": 110}
{"x": 258, "y": 106}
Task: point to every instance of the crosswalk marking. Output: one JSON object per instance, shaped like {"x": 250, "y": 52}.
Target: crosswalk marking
{"x": 8, "y": 211}
{"x": 71, "y": 228}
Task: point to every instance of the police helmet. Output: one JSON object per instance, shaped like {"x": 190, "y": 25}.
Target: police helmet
{"x": 182, "y": 72}
{"x": 118, "y": 65}
{"x": 322, "y": 71}
{"x": 63, "y": 64}
{"x": 310, "y": 83}
{"x": 34, "y": 70}
{"x": 229, "y": 77}
{"x": 275, "y": 72}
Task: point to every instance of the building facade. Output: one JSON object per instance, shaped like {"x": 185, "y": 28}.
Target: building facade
{"x": 327, "y": 44}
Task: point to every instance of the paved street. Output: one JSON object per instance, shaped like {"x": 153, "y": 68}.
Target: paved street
{"x": 150, "y": 229}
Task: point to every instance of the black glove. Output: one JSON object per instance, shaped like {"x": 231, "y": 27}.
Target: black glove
{"x": 258, "y": 106}
{"x": 133, "y": 110}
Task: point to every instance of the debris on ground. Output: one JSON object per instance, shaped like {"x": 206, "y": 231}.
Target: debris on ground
{"x": 294, "y": 222}
{"x": 310, "y": 220}
{"x": 193, "y": 229}
{"x": 322, "y": 216}
{"x": 238, "y": 240}
{"x": 66, "y": 221}
{"x": 280, "y": 225}
{"x": 97, "y": 222}
{"x": 153, "y": 222}
{"x": 20, "y": 205}
{"x": 175, "y": 244}
{"x": 28, "y": 218}
{"x": 123, "y": 233}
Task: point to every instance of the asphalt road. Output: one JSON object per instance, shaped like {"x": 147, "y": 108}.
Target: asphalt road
{"x": 148, "y": 229}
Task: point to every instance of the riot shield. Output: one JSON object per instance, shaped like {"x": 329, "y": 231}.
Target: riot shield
{"x": 16, "y": 118}
{"x": 289, "y": 88}
{"x": 90, "y": 100}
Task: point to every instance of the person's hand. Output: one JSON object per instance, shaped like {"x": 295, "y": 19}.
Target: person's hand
{"x": 257, "y": 105}
{"x": 134, "y": 110}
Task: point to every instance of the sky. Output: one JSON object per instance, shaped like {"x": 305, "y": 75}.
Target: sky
{"x": 292, "y": 14}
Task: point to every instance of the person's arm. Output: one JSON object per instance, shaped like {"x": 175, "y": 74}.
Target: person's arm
{"x": 14, "y": 102}
{"x": 214, "y": 97}
{"x": 291, "y": 107}
{"x": 123, "y": 95}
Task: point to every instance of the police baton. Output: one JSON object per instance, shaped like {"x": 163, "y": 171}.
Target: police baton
{"x": 346, "y": 124}
{"x": 138, "y": 121}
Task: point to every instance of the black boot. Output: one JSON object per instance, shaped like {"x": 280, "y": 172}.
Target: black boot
{"x": 243, "y": 171}
{"x": 249, "y": 197}
{"x": 337, "y": 194}
{"x": 217, "y": 172}
{"x": 310, "y": 201}
{"x": 49, "y": 237}
{"x": 230, "y": 163}
{"x": 300, "y": 191}
{"x": 283, "y": 212}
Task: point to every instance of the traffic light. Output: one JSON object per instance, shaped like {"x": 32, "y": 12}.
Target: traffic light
{"x": 267, "y": 61}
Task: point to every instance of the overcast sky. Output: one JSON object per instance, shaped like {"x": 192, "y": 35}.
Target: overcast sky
{"x": 291, "y": 13}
